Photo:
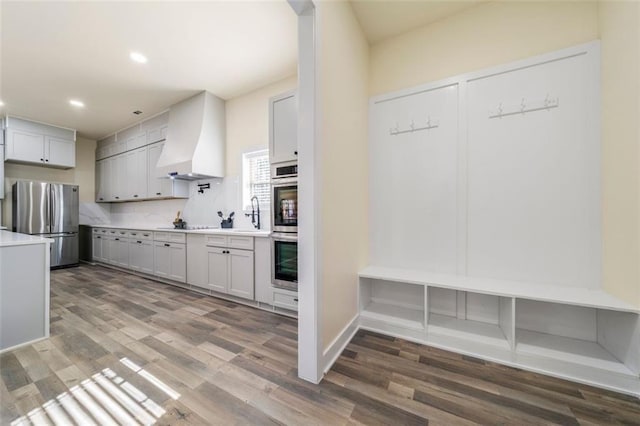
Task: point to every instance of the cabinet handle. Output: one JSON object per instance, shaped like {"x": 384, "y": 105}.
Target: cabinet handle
{"x": 146, "y": 235}
{"x": 135, "y": 196}
{"x": 139, "y": 242}
{"x": 47, "y": 160}
{"x": 98, "y": 237}
{"x": 158, "y": 193}
{"x": 117, "y": 198}
{"x": 117, "y": 239}
{"x": 167, "y": 245}
{"x": 134, "y": 233}
{"x": 42, "y": 159}
{"x": 295, "y": 152}
{"x": 101, "y": 199}
{"x": 295, "y": 300}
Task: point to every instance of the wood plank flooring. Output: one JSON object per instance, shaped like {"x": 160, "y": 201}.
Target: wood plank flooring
{"x": 127, "y": 350}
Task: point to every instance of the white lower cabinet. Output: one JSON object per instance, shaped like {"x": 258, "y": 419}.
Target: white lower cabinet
{"x": 230, "y": 271}
{"x": 141, "y": 256}
{"x": 120, "y": 251}
{"x": 170, "y": 261}
{"x": 97, "y": 248}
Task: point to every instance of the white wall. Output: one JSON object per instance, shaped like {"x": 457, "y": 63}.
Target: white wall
{"x": 343, "y": 72}
{"x": 620, "y": 34}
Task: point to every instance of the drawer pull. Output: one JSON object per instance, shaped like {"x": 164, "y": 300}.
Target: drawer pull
{"x": 139, "y": 242}
{"x": 167, "y": 245}
{"x": 117, "y": 239}
{"x": 295, "y": 300}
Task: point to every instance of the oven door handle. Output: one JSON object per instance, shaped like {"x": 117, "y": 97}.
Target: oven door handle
{"x": 275, "y": 182}
{"x": 287, "y": 238}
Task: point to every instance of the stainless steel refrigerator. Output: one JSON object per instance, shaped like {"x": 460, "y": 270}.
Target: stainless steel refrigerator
{"x": 50, "y": 210}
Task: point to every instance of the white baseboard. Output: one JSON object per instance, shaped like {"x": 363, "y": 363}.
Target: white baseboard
{"x": 333, "y": 351}
{"x": 20, "y": 345}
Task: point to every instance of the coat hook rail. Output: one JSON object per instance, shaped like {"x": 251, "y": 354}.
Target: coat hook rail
{"x": 523, "y": 107}
{"x": 431, "y": 124}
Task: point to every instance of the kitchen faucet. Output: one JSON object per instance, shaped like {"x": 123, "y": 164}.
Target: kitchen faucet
{"x": 254, "y": 211}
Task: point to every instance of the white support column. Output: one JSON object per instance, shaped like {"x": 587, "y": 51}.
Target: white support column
{"x": 309, "y": 231}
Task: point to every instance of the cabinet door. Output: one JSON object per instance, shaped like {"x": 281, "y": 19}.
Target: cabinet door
{"x": 241, "y": 273}
{"x": 162, "y": 259}
{"x": 136, "y": 174}
{"x": 141, "y": 256}
{"x": 59, "y": 152}
{"x": 118, "y": 177}
{"x": 197, "y": 260}
{"x": 262, "y": 271}
{"x": 113, "y": 252}
{"x": 218, "y": 269}
{"x": 283, "y": 131}
{"x": 157, "y": 187}
{"x": 121, "y": 257}
{"x": 178, "y": 255}
{"x": 24, "y": 146}
{"x": 103, "y": 176}
{"x": 97, "y": 248}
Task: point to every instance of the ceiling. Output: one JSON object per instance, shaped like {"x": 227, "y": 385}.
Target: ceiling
{"x": 52, "y": 52}
{"x": 387, "y": 18}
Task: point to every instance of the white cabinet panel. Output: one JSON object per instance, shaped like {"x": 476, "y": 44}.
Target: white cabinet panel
{"x": 240, "y": 273}
{"x": 283, "y": 127}
{"x": 534, "y": 210}
{"x": 61, "y": 152}
{"x": 413, "y": 201}
{"x": 97, "y": 248}
{"x": 136, "y": 174}
{"x": 262, "y": 265}
{"x": 118, "y": 177}
{"x": 24, "y": 146}
{"x": 120, "y": 256}
{"x": 162, "y": 259}
{"x": 197, "y": 260}
{"x": 141, "y": 255}
{"x": 170, "y": 261}
{"x": 217, "y": 264}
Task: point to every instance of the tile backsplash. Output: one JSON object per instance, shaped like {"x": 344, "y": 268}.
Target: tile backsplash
{"x": 224, "y": 194}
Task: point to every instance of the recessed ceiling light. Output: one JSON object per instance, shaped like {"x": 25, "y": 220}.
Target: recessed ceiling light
{"x": 138, "y": 57}
{"x": 76, "y": 103}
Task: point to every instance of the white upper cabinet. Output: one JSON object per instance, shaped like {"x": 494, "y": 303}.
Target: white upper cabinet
{"x": 31, "y": 142}
{"x": 136, "y": 173}
{"x": 283, "y": 127}
{"x": 163, "y": 187}
{"x": 155, "y": 128}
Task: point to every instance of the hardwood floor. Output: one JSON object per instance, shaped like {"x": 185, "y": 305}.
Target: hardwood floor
{"x": 127, "y": 350}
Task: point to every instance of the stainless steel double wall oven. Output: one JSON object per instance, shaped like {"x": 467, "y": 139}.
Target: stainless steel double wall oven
{"x": 284, "y": 221}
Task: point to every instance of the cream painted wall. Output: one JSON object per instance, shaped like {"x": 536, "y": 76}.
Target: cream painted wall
{"x": 485, "y": 35}
{"x": 499, "y": 32}
{"x": 248, "y": 122}
{"x": 82, "y": 175}
{"x": 343, "y": 68}
{"x": 620, "y": 35}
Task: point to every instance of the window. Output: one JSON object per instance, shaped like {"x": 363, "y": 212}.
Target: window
{"x": 256, "y": 175}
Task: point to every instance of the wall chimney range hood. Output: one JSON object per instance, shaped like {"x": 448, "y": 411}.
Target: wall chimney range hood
{"x": 195, "y": 144}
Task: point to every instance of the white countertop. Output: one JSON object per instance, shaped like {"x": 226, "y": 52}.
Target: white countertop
{"x": 9, "y": 239}
{"x": 210, "y": 231}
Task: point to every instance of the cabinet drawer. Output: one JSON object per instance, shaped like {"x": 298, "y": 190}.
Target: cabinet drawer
{"x": 286, "y": 300}
{"x": 239, "y": 242}
{"x": 122, "y": 232}
{"x": 141, "y": 235}
{"x": 170, "y": 237}
{"x": 216, "y": 240}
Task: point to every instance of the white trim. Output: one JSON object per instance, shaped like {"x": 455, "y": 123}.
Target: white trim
{"x": 20, "y": 345}
{"x": 335, "y": 348}
{"x": 309, "y": 184}
{"x": 47, "y": 287}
